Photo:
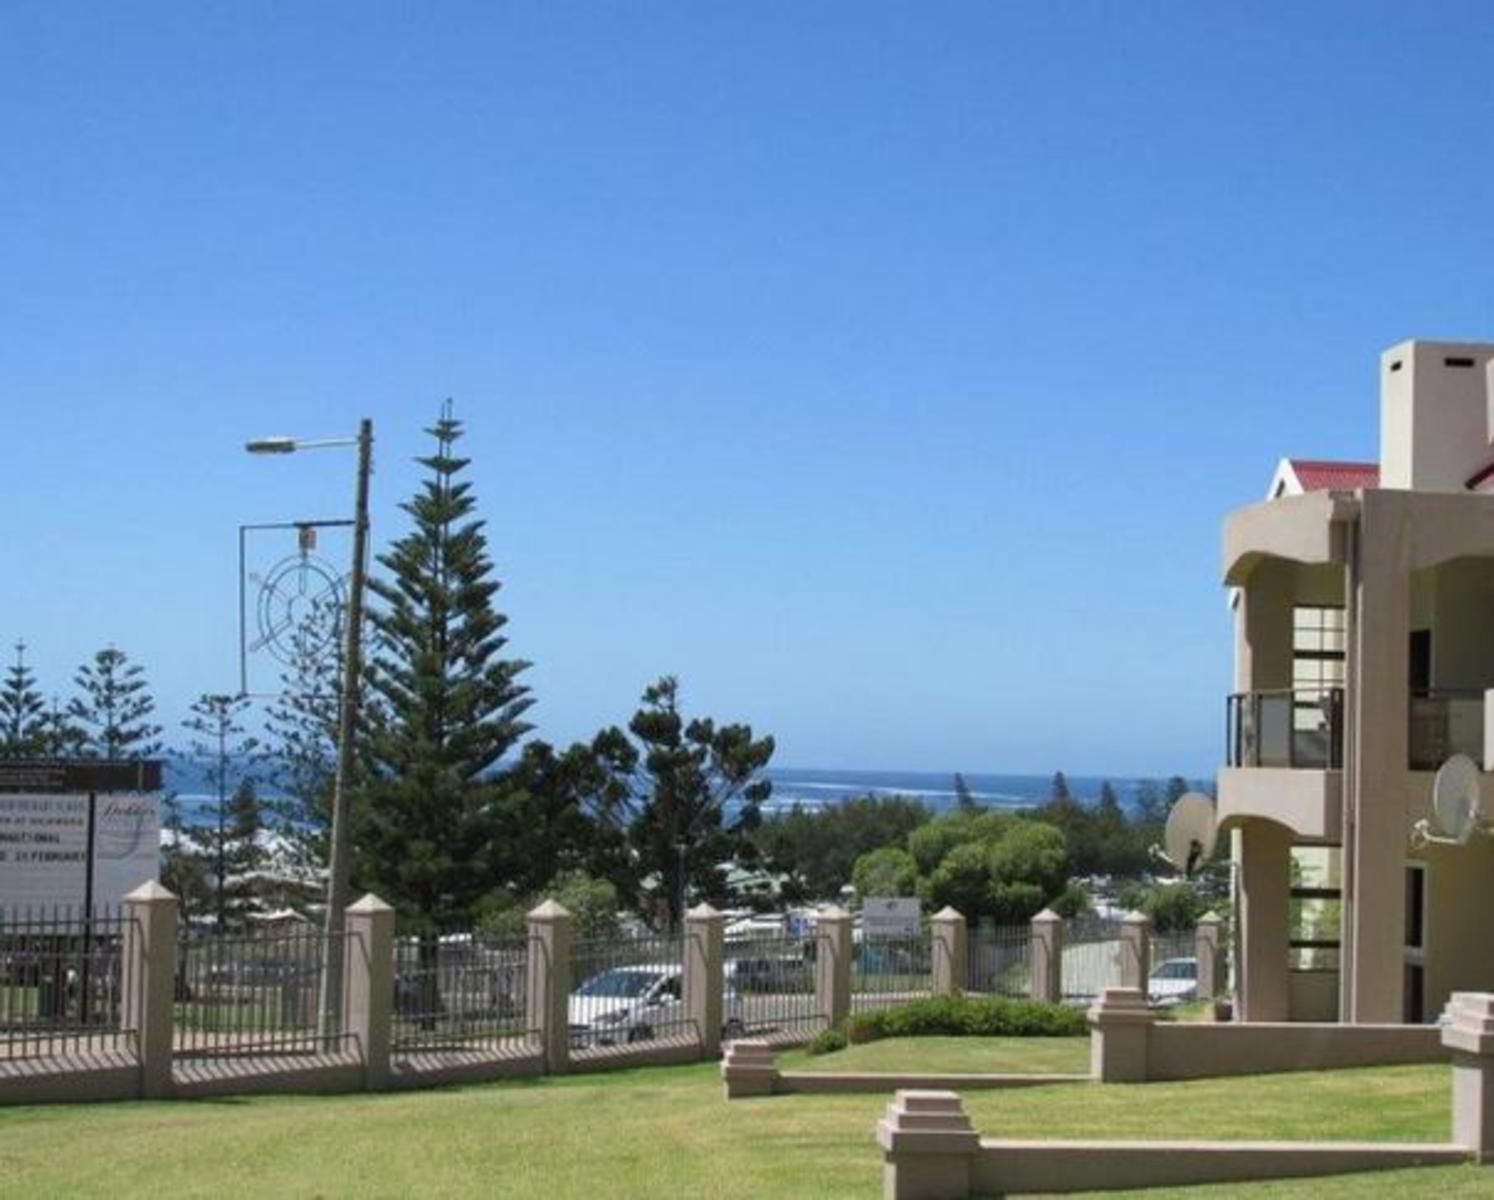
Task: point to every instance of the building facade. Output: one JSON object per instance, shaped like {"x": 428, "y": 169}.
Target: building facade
{"x": 1363, "y": 603}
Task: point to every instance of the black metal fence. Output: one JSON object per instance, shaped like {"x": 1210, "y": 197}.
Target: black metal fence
{"x": 626, "y": 991}
{"x": 461, "y": 991}
{"x": 892, "y": 971}
{"x": 1000, "y": 961}
{"x": 1091, "y": 958}
{"x": 768, "y": 988}
{"x": 253, "y": 994}
{"x": 64, "y": 984}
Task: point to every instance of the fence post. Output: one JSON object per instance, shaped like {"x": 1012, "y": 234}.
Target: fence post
{"x": 1120, "y": 1025}
{"x": 1206, "y": 951}
{"x": 928, "y": 1147}
{"x": 704, "y": 935}
{"x": 1045, "y": 955}
{"x": 548, "y": 986}
{"x": 951, "y": 938}
{"x": 368, "y": 987}
{"x": 1136, "y": 950}
{"x": 1469, "y": 1034}
{"x": 832, "y": 965}
{"x": 150, "y": 965}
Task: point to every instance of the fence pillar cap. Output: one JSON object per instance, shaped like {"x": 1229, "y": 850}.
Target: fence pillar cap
{"x": 151, "y": 892}
{"x": 702, "y": 912}
{"x": 834, "y": 913}
{"x": 932, "y": 1123}
{"x": 1120, "y": 1006}
{"x": 1470, "y": 1023}
{"x": 1047, "y": 917}
{"x": 550, "y": 910}
{"x": 948, "y": 914}
{"x": 369, "y": 903}
{"x": 1136, "y": 917}
{"x": 1211, "y": 918}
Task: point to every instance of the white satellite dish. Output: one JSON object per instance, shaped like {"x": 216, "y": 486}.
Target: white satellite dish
{"x": 1188, "y": 840}
{"x": 1456, "y": 801}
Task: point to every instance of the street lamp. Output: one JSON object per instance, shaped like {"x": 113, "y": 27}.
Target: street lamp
{"x": 339, "y": 868}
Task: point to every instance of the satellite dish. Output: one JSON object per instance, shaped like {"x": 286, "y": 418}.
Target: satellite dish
{"x": 1456, "y": 801}
{"x": 1191, "y": 831}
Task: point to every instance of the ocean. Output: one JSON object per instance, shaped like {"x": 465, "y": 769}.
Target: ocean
{"x": 815, "y": 788}
{"x": 811, "y": 788}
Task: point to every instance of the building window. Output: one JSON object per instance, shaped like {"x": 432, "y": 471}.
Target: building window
{"x": 1317, "y": 648}
{"x": 1315, "y": 917}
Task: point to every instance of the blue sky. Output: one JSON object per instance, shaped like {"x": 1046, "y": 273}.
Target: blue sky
{"x": 882, "y": 370}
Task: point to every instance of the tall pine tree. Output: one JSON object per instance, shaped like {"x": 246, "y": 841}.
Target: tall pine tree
{"x": 698, "y": 791}
{"x": 220, "y": 746}
{"x": 113, "y": 712}
{"x": 23, "y": 712}
{"x": 445, "y": 706}
{"x": 300, "y": 752}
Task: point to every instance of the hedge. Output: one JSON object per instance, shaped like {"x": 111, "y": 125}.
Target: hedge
{"x": 955, "y": 1016}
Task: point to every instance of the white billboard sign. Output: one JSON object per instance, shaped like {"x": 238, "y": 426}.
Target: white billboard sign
{"x": 886, "y": 918}
{"x": 44, "y": 848}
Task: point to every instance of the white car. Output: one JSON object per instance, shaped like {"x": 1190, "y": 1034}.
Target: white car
{"x": 1173, "y": 982}
{"x": 633, "y": 1004}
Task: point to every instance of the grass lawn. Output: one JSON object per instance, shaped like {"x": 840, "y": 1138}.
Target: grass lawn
{"x": 1026, "y": 1056}
{"x": 668, "y": 1132}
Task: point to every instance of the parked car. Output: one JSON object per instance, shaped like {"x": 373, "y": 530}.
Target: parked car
{"x": 1173, "y": 982}
{"x": 771, "y": 973}
{"x": 630, "y": 1004}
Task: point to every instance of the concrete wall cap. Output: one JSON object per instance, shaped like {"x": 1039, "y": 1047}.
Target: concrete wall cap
{"x": 948, "y": 914}
{"x": 151, "y": 892}
{"x": 834, "y": 913}
{"x": 1211, "y": 918}
{"x": 702, "y": 912}
{"x": 1136, "y": 917}
{"x": 549, "y": 910}
{"x": 369, "y": 903}
{"x": 1047, "y": 917}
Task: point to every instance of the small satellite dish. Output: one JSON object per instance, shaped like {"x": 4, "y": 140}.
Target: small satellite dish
{"x": 1189, "y": 837}
{"x": 1456, "y": 801}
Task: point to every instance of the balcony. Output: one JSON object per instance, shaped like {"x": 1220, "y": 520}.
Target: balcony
{"x": 1303, "y": 728}
{"x": 1293, "y": 728}
{"x": 1445, "y": 722}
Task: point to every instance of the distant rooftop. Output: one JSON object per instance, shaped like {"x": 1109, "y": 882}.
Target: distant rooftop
{"x": 1295, "y": 476}
{"x": 1319, "y": 475}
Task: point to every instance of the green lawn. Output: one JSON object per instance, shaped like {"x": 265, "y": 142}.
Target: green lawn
{"x": 1026, "y": 1056}
{"x": 668, "y": 1132}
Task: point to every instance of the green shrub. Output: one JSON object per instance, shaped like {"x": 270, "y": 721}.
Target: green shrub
{"x": 827, "y": 1041}
{"x": 962, "y": 1016}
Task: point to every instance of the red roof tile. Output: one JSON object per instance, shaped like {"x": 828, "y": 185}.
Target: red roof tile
{"x": 1318, "y": 476}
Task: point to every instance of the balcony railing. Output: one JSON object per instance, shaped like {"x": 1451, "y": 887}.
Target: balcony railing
{"x": 1445, "y": 722}
{"x": 1300, "y": 727}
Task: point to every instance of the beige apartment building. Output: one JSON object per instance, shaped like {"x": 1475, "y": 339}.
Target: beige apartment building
{"x": 1363, "y": 602}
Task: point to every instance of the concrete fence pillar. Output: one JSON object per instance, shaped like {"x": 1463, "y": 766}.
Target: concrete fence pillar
{"x": 1135, "y": 950}
{"x": 1120, "y": 1026}
{"x": 928, "y": 1147}
{"x": 1469, "y": 1035}
{"x": 368, "y": 985}
{"x": 1206, "y": 951}
{"x": 1045, "y": 957}
{"x": 832, "y": 965}
{"x": 548, "y": 983}
{"x": 951, "y": 950}
{"x": 148, "y": 1006}
{"x": 749, "y": 1068}
{"x": 705, "y": 931}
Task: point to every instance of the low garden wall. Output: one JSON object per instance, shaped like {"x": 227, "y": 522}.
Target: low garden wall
{"x": 1130, "y": 1044}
